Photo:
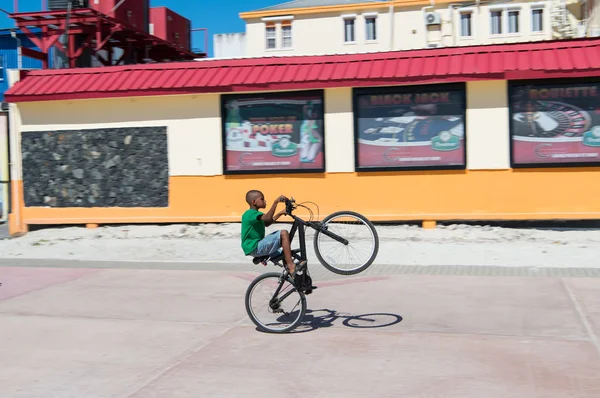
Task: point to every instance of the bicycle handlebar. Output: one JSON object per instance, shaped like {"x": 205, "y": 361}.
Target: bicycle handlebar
{"x": 290, "y": 205}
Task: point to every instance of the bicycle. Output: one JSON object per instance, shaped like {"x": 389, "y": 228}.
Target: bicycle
{"x": 283, "y": 286}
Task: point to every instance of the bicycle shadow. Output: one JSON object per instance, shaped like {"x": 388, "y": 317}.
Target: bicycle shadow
{"x": 375, "y": 320}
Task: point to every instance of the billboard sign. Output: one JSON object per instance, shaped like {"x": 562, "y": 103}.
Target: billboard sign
{"x": 273, "y": 133}
{"x": 555, "y": 123}
{"x": 410, "y": 127}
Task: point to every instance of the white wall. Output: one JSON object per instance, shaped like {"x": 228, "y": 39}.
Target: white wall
{"x": 339, "y": 130}
{"x": 323, "y": 33}
{"x": 229, "y": 45}
{"x": 193, "y": 124}
{"x": 488, "y": 140}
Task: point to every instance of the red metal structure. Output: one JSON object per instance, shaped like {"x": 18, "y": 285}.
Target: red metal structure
{"x": 170, "y": 26}
{"x": 131, "y": 12}
{"x": 88, "y": 31}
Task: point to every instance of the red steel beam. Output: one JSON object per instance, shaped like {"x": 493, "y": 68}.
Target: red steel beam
{"x": 31, "y": 53}
{"x": 90, "y": 19}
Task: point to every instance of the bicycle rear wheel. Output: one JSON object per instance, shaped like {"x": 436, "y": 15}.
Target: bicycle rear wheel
{"x": 272, "y": 313}
{"x": 362, "y": 247}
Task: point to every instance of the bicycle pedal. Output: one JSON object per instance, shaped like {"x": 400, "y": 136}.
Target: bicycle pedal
{"x": 310, "y": 290}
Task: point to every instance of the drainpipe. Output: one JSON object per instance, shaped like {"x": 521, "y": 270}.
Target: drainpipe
{"x": 19, "y": 50}
{"x": 392, "y": 25}
{"x": 451, "y": 12}
{"x": 424, "y": 23}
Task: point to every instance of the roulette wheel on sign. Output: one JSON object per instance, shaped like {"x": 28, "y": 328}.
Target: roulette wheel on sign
{"x": 549, "y": 119}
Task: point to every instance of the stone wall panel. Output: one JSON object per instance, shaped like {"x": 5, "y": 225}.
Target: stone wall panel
{"x": 111, "y": 167}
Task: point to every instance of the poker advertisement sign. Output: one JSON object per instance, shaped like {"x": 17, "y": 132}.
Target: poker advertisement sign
{"x": 275, "y": 132}
{"x": 410, "y": 127}
{"x": 555, "y": 123}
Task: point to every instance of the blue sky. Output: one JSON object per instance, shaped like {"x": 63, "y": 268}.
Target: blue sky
{"x": 221, "y": 16}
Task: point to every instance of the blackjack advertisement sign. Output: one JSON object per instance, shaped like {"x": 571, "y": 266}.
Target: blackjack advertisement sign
{"x": 412, "y": 127}
{"x": 555, "y": 123}
{"x": 278, "y": 132}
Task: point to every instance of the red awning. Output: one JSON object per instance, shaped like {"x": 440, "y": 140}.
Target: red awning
{"x": 548, "y": 59}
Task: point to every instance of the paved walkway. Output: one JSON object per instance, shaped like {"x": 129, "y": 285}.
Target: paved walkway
{"x": 149, "y": 330}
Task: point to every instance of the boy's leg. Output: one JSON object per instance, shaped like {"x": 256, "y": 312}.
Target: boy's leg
{"x": 287, "y": 251}
{"x": 268, "y": 245}
{"x": 272, "y": 242}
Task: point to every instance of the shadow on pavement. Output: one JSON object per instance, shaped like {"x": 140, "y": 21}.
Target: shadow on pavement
{"x": 324, "y": 318}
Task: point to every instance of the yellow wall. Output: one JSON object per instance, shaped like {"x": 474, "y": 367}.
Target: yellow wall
{"x": 461, "y": 195}
{"x": 199, "y": 192}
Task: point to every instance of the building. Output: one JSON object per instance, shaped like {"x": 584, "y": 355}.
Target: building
{"x": 10, "y": 40}
{"x": 494, "y": 132}
{"x": 313, "y": 27}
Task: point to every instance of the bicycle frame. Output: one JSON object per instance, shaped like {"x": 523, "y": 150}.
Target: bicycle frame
{"x": 317, "y": 226}
{"x": 298, "y": 226}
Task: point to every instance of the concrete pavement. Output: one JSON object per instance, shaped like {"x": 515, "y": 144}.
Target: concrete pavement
{"x": 96, "y": 330}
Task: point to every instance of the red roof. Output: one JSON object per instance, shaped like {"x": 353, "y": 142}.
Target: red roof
{"x": 566, "y": 58}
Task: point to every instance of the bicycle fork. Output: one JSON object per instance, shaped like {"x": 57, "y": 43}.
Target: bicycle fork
{"x": 275, "y": 301}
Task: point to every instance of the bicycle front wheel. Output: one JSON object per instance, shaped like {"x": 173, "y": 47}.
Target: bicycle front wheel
{"x": 274, "y": 304}
{"x": 362, "y": 247}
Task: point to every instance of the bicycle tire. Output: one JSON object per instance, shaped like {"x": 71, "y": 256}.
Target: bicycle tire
{"x": 253, "y": 317}
{"x": 361, "y": 267}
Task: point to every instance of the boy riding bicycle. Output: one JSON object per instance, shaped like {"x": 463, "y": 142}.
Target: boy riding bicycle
{"x": 254, "y": 241}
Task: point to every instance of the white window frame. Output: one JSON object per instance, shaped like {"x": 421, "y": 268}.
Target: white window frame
{"x": 279, "y": 32}
{"x": 538, "y": 6}
{"x": 519, "y": 23}
{"x": 374, "y": 16}
{"x": 349, "y": 17}
{"x": 269, "y": 37}
{"x": 504, "y": 9}
{"x": 290, "y": 36}
{"x": 461, "y": 11}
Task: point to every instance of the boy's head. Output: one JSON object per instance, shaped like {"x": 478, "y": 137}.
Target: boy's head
{"x": 256, "y": 199}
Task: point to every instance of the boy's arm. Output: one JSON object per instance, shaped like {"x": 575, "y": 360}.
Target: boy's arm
{"x": 268, "y": 217}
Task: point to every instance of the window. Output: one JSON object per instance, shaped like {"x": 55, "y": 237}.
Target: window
{"x": 270, "y": 36}
{"x": 513, "y": 21}
{"x": 466, "y": 24}
{"x": 371, "y": 25}
{"x": 505, "y": 20}
{"x": 286, "y": 35}
{"x": 349, "y": 30}
{"x": 496, "y": 22}
{"x": 537, "y": 20}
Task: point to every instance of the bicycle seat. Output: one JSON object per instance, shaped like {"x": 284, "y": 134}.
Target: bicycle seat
{"x": 274, "y": 257}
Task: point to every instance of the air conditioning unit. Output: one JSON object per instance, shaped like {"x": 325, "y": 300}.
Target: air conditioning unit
{"x": 433, "y": 18}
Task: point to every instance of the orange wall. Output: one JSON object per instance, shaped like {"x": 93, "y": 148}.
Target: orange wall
{"x": 432, "y": 195}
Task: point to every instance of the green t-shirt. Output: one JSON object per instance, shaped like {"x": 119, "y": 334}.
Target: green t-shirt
{"x": 253, "y": 230}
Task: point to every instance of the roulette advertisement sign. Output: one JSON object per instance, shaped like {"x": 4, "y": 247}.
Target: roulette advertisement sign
{"x": 280, "y": 132}
{"x": 410, "y": 127}
{"x": 555, "y": 123}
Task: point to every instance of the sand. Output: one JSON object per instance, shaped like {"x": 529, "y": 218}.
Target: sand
{"x": 402, "y": 245}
